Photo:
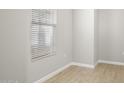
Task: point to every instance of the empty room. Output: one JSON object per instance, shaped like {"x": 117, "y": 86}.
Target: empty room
{"x": 61, "y": 45}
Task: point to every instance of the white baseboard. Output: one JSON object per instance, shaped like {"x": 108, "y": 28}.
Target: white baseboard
{"x": 110, "y": 62}
{"x": 53, "y": 74}
{"x": 83, "y": 65}
{"x": 77, "y": 64}
{"x": 61, "y": 69}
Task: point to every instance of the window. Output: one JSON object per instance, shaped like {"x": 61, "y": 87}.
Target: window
{"x": 43, "y": 32}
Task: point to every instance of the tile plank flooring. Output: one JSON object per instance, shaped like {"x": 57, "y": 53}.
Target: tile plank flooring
{"x": 103, "y": 73}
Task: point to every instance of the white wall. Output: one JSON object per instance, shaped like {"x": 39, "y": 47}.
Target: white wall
{"x": 111, "y": 35}
{"x": 36, "y": 70}
{"x": 15, "y": 45}
{"x": 83, "y": 36}
{"x": 96, "y": 36}
{"x": 14, "y": 26}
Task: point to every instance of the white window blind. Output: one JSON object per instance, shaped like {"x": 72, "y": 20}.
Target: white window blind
{"x": 43, "y": 32}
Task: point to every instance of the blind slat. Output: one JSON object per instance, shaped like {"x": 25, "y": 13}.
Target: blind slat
{"x": 43, "y": 28}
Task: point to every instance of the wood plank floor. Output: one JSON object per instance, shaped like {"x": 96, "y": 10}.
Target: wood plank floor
{"x": 103, "y": 73}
